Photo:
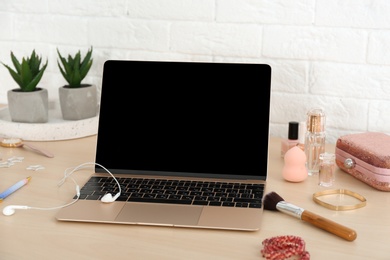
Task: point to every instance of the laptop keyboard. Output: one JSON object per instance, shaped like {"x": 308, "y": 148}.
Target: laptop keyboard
{"x": 176, "y": 191}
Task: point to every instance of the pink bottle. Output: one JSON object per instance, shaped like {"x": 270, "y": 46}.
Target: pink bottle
{"x": 292, "y": 140}
{"x": 294, "y": 169}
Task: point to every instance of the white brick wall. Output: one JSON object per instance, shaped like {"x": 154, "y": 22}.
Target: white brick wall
{"x": 324, "y": 53}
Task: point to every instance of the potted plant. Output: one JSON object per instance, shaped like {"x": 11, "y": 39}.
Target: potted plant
{"x": 28, "y": 103}
{"x": 78, "y": 101}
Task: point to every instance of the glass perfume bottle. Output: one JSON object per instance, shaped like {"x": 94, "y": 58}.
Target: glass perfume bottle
{"x": 314, "y": 139}
{"x": 326, "y": 175}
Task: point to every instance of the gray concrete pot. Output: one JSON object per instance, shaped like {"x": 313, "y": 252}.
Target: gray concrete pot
{"x": 28, "y": 107}
{"x": 78, "y": 103}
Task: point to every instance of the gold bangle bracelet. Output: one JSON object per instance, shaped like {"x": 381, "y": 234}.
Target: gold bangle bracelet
{"x": 339, "y": 207}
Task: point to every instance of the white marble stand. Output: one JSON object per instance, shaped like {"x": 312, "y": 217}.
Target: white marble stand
{"x": 55, "y": 129}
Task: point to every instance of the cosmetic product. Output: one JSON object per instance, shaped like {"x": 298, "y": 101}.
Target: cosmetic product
{"x": 326, "y": 174}
{"x": 294, "y": 169}
{"x": 314, "y": 139}
{"x": 302, "y": 135}
{"x": 273, "y": 201}
{"x": 292, "y": 140}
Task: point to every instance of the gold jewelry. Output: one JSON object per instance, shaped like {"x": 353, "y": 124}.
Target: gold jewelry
{"x": 339, "y": 207}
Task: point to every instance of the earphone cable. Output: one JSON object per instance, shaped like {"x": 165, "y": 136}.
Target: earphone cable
{"x": 86, "y": 165}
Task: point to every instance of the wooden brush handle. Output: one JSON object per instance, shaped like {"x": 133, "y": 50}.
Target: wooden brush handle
{"x": 328, "y": 225}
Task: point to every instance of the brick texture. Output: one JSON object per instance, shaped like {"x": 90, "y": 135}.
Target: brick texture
{"x": 324, "y": 53}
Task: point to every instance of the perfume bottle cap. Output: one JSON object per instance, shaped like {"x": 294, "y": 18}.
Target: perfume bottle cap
{"x": 293, "y": 130}
{"x": 327, "y": 157}
{"x": 316, "y": 120}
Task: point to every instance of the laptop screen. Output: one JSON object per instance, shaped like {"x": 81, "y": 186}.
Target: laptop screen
{"x": 185, "y": 119}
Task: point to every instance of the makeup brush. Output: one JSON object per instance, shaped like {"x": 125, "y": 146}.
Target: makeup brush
{"x": 272, "y": 201}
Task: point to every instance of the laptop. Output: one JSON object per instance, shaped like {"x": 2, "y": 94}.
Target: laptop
{"x": 187, "y": 141}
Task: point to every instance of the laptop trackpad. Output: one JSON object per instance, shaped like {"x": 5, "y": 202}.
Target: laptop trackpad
{"x": 165, "y": 214}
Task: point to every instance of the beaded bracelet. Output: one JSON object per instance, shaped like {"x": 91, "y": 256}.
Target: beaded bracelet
{"x": 284, "y": 247}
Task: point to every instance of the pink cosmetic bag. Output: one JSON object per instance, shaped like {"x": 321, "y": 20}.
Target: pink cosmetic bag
{"x": 366, "y": 156}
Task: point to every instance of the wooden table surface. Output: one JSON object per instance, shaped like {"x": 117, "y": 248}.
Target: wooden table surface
{"x": 36, "y": 234}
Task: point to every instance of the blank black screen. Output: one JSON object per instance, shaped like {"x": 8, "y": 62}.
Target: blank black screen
{"x": 185, "y": 118}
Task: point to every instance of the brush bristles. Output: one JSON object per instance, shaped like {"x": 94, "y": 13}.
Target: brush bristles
{"x": 270, "y": 200}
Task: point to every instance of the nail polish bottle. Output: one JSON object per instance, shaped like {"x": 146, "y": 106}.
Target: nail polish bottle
{"x": 314, "y": 139}
{"x": 292, "y": 140}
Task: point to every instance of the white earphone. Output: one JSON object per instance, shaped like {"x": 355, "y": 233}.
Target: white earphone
{"x": 107, "y": 198}
{"x": 10, "y": 209}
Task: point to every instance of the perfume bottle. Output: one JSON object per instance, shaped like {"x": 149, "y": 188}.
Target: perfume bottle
{"x": 326, "y": 175}
{"x": 292, "y": 140}
{"x": 314, "y": 139}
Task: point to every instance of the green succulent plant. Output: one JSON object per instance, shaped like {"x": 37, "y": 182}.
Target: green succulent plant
{"x": 74, "y": 69}
{"x": 28, "y": 73}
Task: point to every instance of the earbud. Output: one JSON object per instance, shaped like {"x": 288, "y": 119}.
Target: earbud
{"x": 10, "y": 210}
{"x": 107, "y": 198}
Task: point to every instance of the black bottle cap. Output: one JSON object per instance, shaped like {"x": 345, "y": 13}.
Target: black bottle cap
{"x": 293, "y": 130}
